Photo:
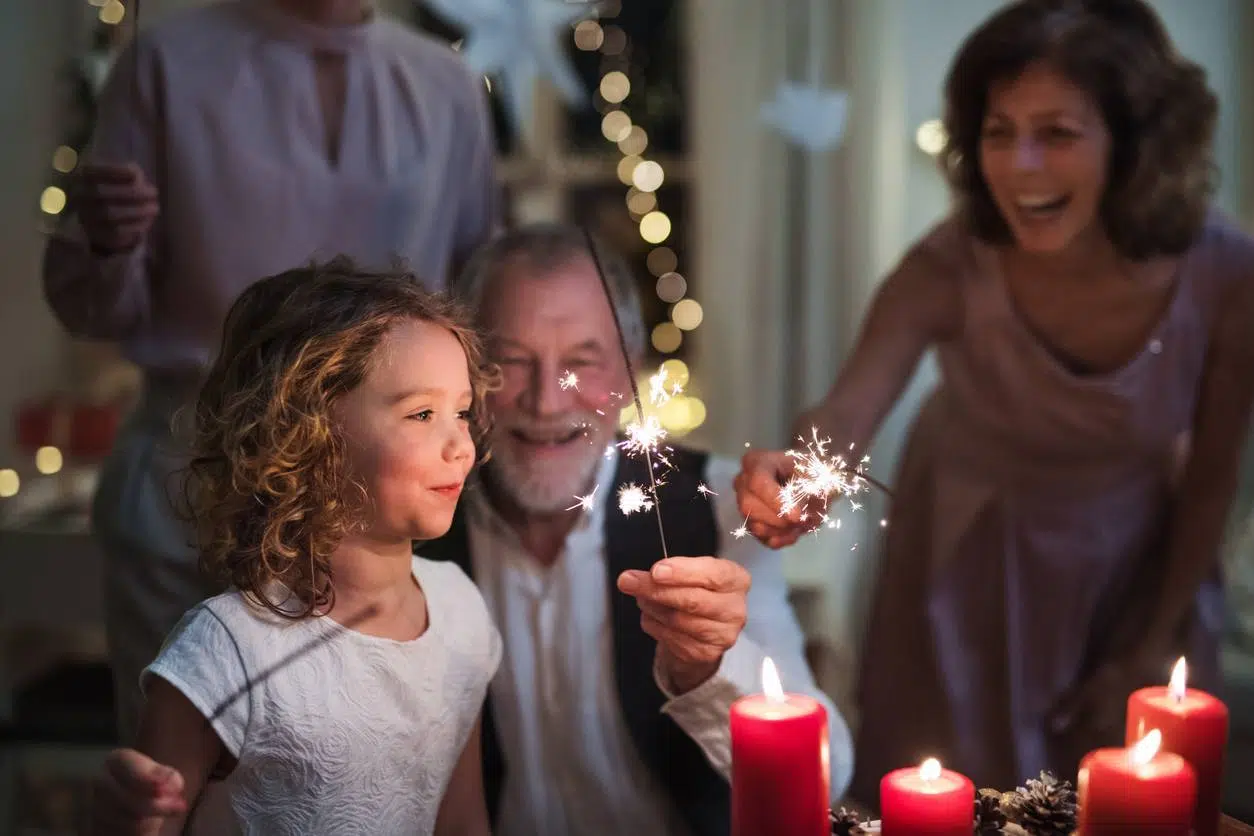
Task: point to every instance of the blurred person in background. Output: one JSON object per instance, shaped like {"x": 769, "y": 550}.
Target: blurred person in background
{"x": 236, "y": 140}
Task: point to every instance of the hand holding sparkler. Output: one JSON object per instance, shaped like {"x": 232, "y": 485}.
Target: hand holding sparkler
{"x": 784, "y": 495}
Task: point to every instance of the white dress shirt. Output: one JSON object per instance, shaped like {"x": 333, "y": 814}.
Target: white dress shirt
{"x": 572, "y": 766}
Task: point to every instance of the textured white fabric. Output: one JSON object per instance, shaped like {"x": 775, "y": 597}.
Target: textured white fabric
{"x": 340, "y": 732}
{"x": 572, "y": 766}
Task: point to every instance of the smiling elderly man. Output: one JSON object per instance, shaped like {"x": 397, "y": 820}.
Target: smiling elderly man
{"x": 609, "y": 714}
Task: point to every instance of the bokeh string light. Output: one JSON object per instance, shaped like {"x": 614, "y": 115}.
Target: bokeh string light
{"x": 643, "y": 177}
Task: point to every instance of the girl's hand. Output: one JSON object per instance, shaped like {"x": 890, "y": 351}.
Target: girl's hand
{"x": 136, "y": 795}
{"x": 762, "y": 475}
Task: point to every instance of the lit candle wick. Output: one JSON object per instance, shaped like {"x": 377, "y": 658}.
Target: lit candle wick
{"x": 1146, "y": 748}
{"x": 930, "y": 769}
{"x": 771, "y": 686}
{"x": 1178, "y": 686}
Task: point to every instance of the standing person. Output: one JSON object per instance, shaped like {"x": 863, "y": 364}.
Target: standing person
{"x": 1062, "y": 496}
{"x": 235, "y": 140}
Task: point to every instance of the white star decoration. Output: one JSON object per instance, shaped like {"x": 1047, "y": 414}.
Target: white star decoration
{"x": 518, "y": 41}
{"x": 810, "y": 116}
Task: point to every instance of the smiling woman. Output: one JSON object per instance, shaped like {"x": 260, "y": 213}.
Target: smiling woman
{"x": 1060, "y": 502}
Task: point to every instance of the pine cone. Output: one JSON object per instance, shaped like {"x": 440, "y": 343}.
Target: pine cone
{"x": 1045, "y": 807}
{"x": 989, "y": 817}
{"x": 846, "y": 823}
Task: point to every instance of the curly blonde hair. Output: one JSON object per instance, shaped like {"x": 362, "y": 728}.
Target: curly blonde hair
{"x": 268, "y": 485}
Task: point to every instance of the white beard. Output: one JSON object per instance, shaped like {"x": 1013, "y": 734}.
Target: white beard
{"x": 550, "y": 486}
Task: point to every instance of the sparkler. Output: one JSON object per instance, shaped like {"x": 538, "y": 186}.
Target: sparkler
{"x": 641, "y": 440}
{"x": 820, "y": 476}
{"x": 569, "y": 380}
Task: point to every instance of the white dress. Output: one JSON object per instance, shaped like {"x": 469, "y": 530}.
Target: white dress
{"x": 335, "y": 731}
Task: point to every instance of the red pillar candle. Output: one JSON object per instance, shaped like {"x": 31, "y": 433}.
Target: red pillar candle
{"x": 1194, "y": 725}
{"x": 926, "y": 801}
{"x": 1138, "y": 791}
{"x": 780, "y": 763}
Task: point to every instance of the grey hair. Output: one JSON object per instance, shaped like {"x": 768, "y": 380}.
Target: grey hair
{"x": 548, "y": 246}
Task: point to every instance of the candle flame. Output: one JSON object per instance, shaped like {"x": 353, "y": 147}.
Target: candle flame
{"x": 1146, "y": 748}
{"x": 771, "y": 685}
{"x": 930, "y": 769}
{"x": 1179, "y": 680}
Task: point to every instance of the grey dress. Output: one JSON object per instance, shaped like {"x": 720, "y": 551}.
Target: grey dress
{"x": 1029, "y": 526}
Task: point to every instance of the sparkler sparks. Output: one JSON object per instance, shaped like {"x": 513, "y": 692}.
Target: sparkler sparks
{"x": 819, "y": 475}
{"x": 632, "y": 498}
{"x": 743, "y": 531}
{"x": 585, "y": 502}
{"x": 569, "y": 380}
{"x": 659, "y": 393}
{"x": 705, "y": 491}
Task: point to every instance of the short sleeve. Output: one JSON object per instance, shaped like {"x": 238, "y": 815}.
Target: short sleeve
{"x": 204, "y": 661}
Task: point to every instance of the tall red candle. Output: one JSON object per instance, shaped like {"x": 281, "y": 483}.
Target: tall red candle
{"x": 926, "y": 801}
{"x": 780, "y": 763}
{"x": 1138, "y": 791}
{"x": 1194, "y": 725}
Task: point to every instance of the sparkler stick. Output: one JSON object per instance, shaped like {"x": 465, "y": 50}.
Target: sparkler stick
{"x": 631, "y": 375}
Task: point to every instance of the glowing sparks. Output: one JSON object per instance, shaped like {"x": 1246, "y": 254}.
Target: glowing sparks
{"x": 822, "y": 477}
{"x": 743, "y": 531}
{"x": 569, "y": 380}
{"x": 585, "y": 502}
{"x": 632, "y": 499}
{"x": 643, "y": 437}
{"x": 659, "y": 392}
{"x": 705, "y": 491}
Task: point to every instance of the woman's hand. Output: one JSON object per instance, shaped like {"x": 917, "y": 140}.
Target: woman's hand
{"x": 762, "y": 476}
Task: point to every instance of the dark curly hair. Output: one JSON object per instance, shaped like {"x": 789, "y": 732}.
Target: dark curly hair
{"x": 1159, "y": 110}
{"x": 268, "y": 486}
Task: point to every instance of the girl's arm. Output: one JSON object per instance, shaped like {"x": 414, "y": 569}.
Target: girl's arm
{"x": 464, "y": 811}
{"x": 174, "y": 733}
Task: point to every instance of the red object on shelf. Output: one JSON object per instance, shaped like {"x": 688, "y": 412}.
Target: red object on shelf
{"x": 84, "y": 432}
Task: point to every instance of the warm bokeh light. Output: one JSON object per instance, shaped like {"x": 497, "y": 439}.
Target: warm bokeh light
{"x": 931, "y": 137}
{"x": 588, "y": 35}
{"x": 666, "y": 338}
{"x": 52, "y": 201}
{"x": 48, "y": 460}
{"x": 615, "y": 86}
{"x": 615, "y": 40}
{"x": 9, "y": 483}
{"x": 648, "y": 176}
{"x": 687, "y": 314}
{"x": 626, "y": 166}
{"x": 677, "y": 371}
{"x": 661, "y": 261}
{"x": 64, "y": 159}
{"x": 616, "y": 125}
{"x": 655, "y": 227}
{"x": 635, "y": 143}
{"x": 112, "y": 12}
{"x": 671, "y": 287}
{"x": 640, "y": 203}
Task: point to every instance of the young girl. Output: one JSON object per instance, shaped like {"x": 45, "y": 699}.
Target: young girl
{"x": 336, "y": 687}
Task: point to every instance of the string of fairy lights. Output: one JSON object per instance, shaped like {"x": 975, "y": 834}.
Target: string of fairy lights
{"x": 643, "y": 177}
{"x": 49, "y": 460}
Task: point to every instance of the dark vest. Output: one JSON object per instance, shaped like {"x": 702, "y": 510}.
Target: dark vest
{"x": 697, "y": 791}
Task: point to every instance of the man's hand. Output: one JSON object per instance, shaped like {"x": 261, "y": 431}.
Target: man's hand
{"x": 135, "y": 795}
{"x": 695, "y": 607}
